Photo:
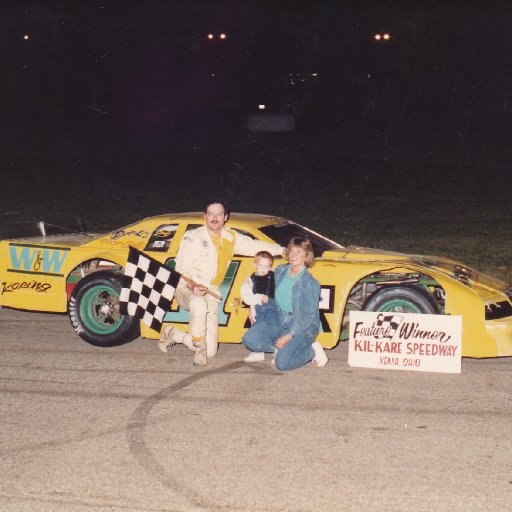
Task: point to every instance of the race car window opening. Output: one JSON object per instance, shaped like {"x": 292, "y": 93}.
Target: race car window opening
{"x": 283, "y": 232}
{"x": 246, "y": 233}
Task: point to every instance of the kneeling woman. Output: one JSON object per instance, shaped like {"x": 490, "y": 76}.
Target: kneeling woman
{"x": 290, "y": 330}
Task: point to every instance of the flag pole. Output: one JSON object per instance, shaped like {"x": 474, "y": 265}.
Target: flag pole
{"x": 193, "y": 283}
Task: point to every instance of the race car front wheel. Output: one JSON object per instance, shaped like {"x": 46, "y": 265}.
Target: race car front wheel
{"x": 402, "y": 299}
{"x": 94, "y": 311}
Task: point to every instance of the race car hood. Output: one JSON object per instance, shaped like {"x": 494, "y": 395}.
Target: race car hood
{"x": 450, "y": 268}
{"x": 462, "y": 273}
{"x": 69, "y": 239}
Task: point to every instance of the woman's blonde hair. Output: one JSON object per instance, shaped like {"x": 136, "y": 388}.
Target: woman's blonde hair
{"x": 306, "y": 245}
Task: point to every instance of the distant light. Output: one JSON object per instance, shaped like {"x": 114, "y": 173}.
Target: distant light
{"x": 223, "y": 36}
{"x": 26, "y": 37}
{"x": 314, "y": 74}
{"x": 210, "y": 36}
{"x": 261, "y": 107}
{"x": 382, "y": 37}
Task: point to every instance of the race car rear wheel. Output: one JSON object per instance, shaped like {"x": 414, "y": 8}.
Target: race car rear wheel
{"x": 402, "y": 299}
{"x": 94, "y": 311}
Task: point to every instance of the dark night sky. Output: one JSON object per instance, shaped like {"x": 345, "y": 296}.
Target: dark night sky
{"x": 126, "y": 68}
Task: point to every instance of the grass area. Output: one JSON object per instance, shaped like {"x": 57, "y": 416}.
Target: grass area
{"x": 458, "y": 210}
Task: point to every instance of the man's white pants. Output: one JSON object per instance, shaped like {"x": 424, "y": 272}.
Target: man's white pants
{"x": 204, "y": 317}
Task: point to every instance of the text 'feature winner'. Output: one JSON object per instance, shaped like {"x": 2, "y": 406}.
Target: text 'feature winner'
{"x": 405, "y": 341}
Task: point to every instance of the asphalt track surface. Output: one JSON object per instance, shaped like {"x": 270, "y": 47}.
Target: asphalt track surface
{"x": 131, "y": 429}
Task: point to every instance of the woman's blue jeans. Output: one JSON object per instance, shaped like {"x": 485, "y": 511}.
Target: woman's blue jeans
{"x": 262, "y": 336}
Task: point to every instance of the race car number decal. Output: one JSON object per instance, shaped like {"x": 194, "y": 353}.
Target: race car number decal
{"x": 180, "y": 315}
{"x": 326, "y": 305}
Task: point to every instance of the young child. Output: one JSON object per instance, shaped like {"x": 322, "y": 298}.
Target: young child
{"x": 259, "y": 287}
{"x": 257, "y": 292}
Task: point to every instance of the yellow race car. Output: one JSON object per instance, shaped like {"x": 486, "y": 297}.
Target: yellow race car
{"x": 81, "y": 273}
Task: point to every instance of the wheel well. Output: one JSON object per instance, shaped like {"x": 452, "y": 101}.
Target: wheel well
{"x": 87, "y": 268}
{"x": 368, "y": 285}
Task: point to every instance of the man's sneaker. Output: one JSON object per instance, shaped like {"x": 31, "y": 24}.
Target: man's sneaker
{"x": 200, "y": 358}
{"x": 166, "y": 339}
{"x": 320, "y": 358}
{"x": 184, "y": 338}
{"x": 188, "y": 342}
{"x": 255, "y": 357}
{"x": 170, "y": 336}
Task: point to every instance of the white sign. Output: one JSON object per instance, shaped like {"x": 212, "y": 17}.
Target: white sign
{"x": 405, "y": 341}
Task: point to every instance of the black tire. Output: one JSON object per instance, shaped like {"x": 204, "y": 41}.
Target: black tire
{"x": 94, "y": 311}
{"x": 403, "y": 299}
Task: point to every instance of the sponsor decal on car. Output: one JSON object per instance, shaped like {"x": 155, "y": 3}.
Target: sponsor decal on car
{"x": 33, "y": 259}
{"x": 37, "y": 286}
{"x": 161, "y": 238}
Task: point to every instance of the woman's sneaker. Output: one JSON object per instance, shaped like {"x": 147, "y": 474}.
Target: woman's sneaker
{"x": 255, "y": 357}
{"x": 320, "y": 358}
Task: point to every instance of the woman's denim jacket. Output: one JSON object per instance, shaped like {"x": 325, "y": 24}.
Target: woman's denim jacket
{"x": 305, "y": 300}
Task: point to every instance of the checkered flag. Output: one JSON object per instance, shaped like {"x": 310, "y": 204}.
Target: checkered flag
{"x": 147, "y": 289}
{"x": 389, "y": 324}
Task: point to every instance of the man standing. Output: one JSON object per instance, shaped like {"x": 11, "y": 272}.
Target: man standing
{"x": 204, "y": 256}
